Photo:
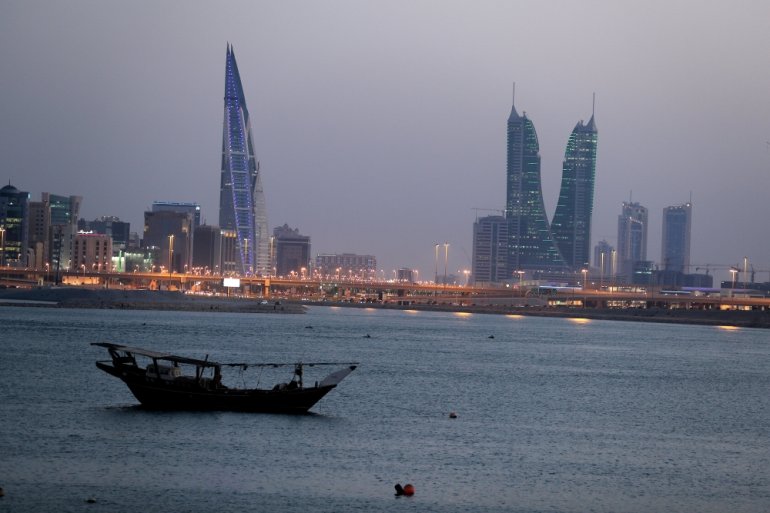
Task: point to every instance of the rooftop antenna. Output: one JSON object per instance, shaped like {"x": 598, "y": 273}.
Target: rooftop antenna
{"x": 593, "y": 105}
{"x": 513, "y": 95}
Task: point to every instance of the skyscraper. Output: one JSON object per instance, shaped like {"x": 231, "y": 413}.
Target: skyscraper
{"x": 292, "y": 251}
{"x": 675, "y": 254}
{"x": 241, "y": 198}
{"x": 490, "y": 250}
{"x": 14, "y": 216}
{"x": 632, "y": 236}
{"x": 530, "y": 243}
{"x": 571, "y": 226}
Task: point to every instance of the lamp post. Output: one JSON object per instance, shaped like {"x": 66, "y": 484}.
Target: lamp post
{"x": 170, "y": 254}
{"x": 734, "y": 272}
{"x": 585, "y": 273}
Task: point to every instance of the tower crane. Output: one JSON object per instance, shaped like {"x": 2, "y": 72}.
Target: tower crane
{"x": 500, "y": 211}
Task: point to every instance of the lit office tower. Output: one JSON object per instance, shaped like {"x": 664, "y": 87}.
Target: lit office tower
{"x": 530, "y": 244}
{"x": 571, "y": 226}
{"x": 675, "y": 255}
{"x": 14, "y": 219}
{"x": 490, "y": 250}
{"x": 241, "y": 197}
{"x": 632, "y": 237}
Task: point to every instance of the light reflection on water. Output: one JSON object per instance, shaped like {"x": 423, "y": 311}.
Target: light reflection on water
{"x": 551, "y": 416}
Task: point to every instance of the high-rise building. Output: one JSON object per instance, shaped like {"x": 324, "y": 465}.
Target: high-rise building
{"x": 490, "y": 250}
{"x": 327, "y": 264}
{"x": 92, "y": 252}
{"x": 172, "y": 206}
{"x": 632, "y": 237}
{"x": 171, "y": 234}
{"x": 64, "y": 213}
{"x": 292, "y": 251}
{"x": 530, "y": 243}
{"x": 118, "y": 230}
{"x": 675, "y": 254}
{"x": 571, "y": 226}
{"x": 14, "y": 232}
{"x": 241, "y": 197}
{"x": 604, "y": 259}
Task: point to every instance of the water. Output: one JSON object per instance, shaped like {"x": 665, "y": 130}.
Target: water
{"x": 554, "y": 415}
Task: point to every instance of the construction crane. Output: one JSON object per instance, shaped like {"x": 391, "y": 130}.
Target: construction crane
{"x": 500, "y": 211}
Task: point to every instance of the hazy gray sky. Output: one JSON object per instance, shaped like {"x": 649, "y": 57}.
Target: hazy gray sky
{"x": 381, "y": 124}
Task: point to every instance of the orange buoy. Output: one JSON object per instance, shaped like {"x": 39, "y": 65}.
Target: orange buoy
{"x": 408, "y": 490}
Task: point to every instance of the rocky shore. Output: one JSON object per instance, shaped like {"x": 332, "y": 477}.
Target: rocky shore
{"x": 119, "y": 299}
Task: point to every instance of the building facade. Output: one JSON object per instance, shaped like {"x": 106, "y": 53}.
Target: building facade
{"x": 14, "y": 229}
{"x": 605, "y": 259}
{"x": 675, "y": 252}
{"x": 207, "y": 249}
{"x": 118, "y": 230}
{"x": 241, "y": 199}
{"x": 193, "y": 209}
{"x": 92, "y": 252}
{"x": 571, "y": 226}
{"x": 329, "y": 265}
{"x": 292, "y": 251}
{"x": 632, "y": 237}
{"x": 490, "y": 250}
{"x": 171, "y": 234}
{"x": 530, "y": 243}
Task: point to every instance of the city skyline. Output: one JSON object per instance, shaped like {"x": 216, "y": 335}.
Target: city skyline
{"x": 380, "y": 132}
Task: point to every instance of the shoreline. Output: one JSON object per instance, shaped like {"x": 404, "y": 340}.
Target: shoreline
{"x": 129, "y": 299}
{"x": 734, "y": 318}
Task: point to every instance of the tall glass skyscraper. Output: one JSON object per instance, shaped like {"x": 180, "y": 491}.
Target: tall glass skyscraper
{"x": 530, "y": 244}
{"x": 632, "y": 236}
{"x": 241, "y": 197}
{"x": 571, "y": 226}
{"x": 675, "y": 253}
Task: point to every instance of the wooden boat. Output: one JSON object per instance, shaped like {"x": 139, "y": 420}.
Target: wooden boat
{"x": 170, "y": 382}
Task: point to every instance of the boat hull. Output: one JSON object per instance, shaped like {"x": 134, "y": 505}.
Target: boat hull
{"x": 188, "y": 394}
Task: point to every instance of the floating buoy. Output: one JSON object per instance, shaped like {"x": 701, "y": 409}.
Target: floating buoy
{"x": 2, "y": 492}
{"x": 452, "y": 415}
{"x": 408, "y": 490}
{"x": 91, "y": 500}
{"x": 367, "y": 336}
{"x": 491, "y": 336}
{"x": 308, "y": 327}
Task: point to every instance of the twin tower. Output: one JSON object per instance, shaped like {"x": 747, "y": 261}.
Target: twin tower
{"x": 534, "y": 246}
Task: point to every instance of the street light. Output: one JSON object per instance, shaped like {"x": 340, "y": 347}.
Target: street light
{"x": 585, "y": 273}
{"x": 733, "y": 271}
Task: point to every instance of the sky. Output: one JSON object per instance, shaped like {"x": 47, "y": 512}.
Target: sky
{"x": 380, "y": 125}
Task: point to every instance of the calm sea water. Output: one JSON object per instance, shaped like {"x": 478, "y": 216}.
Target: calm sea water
{"x": 553, "y": 415}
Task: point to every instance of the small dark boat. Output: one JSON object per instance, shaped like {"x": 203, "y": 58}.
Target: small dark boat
{"x": 162, "y": 382}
